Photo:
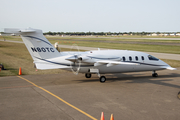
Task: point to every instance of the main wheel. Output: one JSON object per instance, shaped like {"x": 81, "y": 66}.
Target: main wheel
{"x": 102, "y": 79}
{"x": 155, "y": 75}
{"x": 88, "y": 75}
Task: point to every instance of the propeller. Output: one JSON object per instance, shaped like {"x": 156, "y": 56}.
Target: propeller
{"x": 75, "y": 60}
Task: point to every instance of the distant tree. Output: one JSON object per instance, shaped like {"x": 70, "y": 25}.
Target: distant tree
{"x": 50, "y": 33}
{"x": 143, "y": 33}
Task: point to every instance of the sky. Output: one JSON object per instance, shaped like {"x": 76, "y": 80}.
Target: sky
{"x": 91, "y": 15}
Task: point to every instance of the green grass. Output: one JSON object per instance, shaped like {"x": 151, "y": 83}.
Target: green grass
{"x": 172, "y": 63}
{"x": 130, "y": 39}
{"x": 15, "y": 38}
{"x": 15, "y": 55}
{"x": 10, "y": 71}
{"x": 96, "y": 42}
{"x": 136, "y": 47}
{"x": 101, "y": 38}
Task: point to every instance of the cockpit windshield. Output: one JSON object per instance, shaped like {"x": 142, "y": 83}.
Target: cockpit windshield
{"x": 152, "y": 58}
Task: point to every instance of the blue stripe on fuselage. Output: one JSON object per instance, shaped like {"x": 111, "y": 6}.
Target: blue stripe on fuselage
{"x": 62, "y": 63}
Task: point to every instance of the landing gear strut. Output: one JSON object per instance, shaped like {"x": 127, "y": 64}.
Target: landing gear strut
{"x": 154, "y": 74}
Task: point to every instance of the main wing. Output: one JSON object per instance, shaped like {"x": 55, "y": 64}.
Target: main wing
{"x": 110, "y": 63}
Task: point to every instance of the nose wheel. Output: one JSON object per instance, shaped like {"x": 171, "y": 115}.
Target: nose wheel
{"x": 154, "y": 74}
{"x": 102, "y": 79}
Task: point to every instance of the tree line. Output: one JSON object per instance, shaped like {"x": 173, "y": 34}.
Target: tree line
{"x": 103, "y": 33}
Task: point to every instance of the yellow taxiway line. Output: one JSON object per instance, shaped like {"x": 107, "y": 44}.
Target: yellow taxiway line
{"x": 59, "y": 98}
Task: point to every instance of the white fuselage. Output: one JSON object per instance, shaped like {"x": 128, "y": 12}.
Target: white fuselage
{"x": 144, "y": 63}
{"x": 45, "y": 56}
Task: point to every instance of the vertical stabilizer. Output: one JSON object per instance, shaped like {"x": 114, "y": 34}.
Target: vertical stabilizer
{"x": 38, "y": 46}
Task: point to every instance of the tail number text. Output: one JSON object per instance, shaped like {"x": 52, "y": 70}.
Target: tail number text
{"x": 38, "y": 49}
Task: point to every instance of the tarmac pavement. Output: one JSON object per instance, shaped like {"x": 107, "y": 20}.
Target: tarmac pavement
{"x": 69, "y": 97}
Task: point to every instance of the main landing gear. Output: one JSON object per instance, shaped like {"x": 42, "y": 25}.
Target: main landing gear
{"x": 88, "y": 75}
{"x": 102, "y": 79}
{"x": 154, "y": 74}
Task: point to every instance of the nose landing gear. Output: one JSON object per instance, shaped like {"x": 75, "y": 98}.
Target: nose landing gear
{"x": 154, "y": 74}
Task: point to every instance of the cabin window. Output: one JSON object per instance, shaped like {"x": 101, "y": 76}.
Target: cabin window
{"x": 142, "y": 57}
{"x": 152, "y": 58}
{"x": 124, "y": 59}
{"x": 130, "y": 58}
{"x": 136, "y": 58}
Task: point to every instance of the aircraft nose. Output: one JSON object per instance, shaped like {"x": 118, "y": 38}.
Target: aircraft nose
{"x": 163, "y": 63}
{"x": 166, "y": 66}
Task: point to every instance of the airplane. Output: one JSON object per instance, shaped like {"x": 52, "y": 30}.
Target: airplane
{"x": 45, "y": 56}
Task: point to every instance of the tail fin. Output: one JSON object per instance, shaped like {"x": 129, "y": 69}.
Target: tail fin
{"x": 38, "y": 46}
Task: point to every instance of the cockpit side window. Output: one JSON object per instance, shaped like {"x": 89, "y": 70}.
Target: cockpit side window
{"x": 152, "y": 58}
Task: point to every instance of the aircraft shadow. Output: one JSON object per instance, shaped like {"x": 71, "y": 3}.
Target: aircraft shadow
{"x": 137, "y": 78}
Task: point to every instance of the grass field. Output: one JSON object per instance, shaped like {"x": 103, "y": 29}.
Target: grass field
{"x": 161, "y": 46}
{"x": 124, "y": 38}
{"x": 15, "y": 55}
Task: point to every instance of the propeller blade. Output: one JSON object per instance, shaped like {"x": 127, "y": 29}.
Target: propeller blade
{"x": 76, "y": 59}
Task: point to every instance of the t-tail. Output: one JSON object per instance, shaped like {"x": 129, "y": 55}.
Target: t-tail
{"x": 38, "y": 46}
{"x": 41, "y": 50}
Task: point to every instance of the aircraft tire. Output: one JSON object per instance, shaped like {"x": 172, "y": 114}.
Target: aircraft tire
{"x": 102, "y": 79}
{"x": 155, "y": 75}
{"x": 88, "y": 75}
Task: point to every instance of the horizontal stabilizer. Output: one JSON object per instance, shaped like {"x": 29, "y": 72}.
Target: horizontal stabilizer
{"x": 45, "y": 66}
{"x": 16, "y": 30}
